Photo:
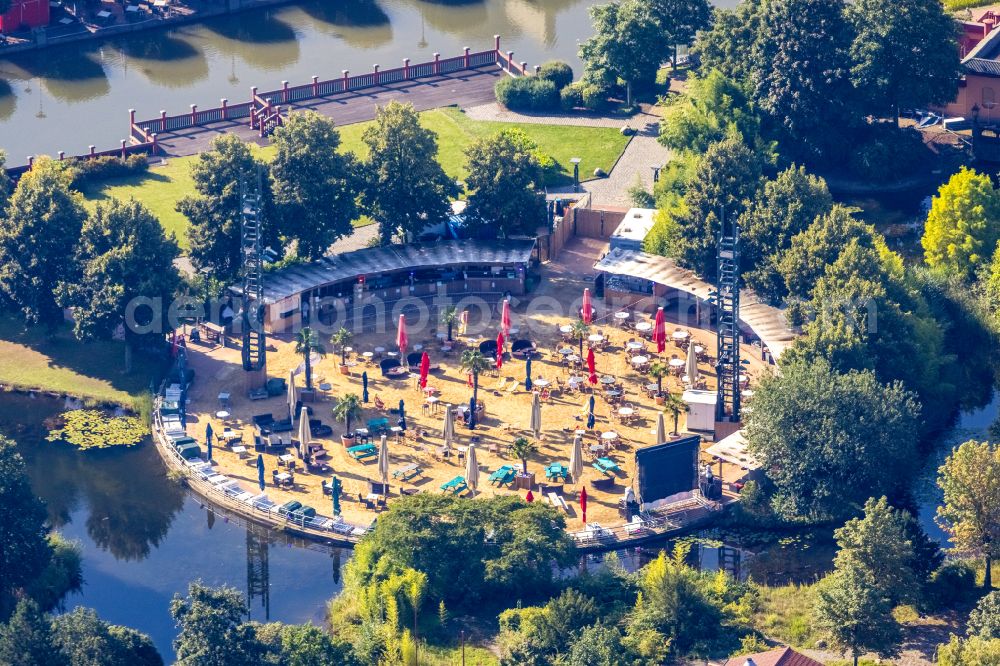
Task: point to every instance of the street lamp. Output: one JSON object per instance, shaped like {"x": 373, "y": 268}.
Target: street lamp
{"x": 575, "y": 161}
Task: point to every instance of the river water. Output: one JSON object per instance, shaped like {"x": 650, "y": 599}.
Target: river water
{"x": 144, "y": 538}
{"x": 69, "y": 97}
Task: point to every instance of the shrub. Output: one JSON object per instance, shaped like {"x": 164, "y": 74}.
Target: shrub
{"x": 527, "y": 93}
{"x": 571, "y": 97}
{"x": 887, "y": 153}
{"x": 557, "y": 72}
{"x": 954, "y": 582}
{"x": 83, "y": 171}
{"x": 594, "y": 97}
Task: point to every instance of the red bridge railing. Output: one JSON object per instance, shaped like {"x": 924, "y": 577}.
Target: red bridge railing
{"x": 262, "y": 105}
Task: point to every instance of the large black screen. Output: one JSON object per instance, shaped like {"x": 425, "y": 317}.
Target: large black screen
{"x": 668, "y": 469}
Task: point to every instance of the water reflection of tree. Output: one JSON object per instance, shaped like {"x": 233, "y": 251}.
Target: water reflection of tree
{"x": 164, "y": 59}
{"x": 258, "y": 38}
{"x": 8, "y": 101}
{"x": 131, "y": 503}
{"x": 360, "y": 24}
{"x": 70, "y": 74}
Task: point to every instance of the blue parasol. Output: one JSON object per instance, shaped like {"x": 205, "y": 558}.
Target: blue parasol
{"x": 402, "y": 415}
{"x": 472, "y": 412}
{"x": 208, "y": 440}
{"x": 260, "y": 471}
{"x": 590, "y": 414}
{"x": 527, "y": 374}
{"x": 364, "y": 386}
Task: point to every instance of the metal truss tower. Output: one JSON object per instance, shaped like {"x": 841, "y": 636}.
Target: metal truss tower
{"x": 253, "y": 278}
{"x": 727, "y": 405}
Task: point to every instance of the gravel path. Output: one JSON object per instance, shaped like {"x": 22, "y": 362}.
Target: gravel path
{"x": 642, "y": 153}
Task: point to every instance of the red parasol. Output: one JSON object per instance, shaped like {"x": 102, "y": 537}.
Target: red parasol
{"x": 591, "y": 367}
{"x": 588, "y": 314}
{"x": 500, "y": 341}
{"x": 660, "y": 332}
{"x": 469, "y": 380}
{"x": 583, "y": 503}
{"x": 529, "y": 497}
{"x": 401, "y": 340}
{"x": 505, "y": 318}
{"x": 425, "y": 367}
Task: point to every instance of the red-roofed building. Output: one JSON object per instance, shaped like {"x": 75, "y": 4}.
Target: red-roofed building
{"x": 24, "y": 14}
{"x": 783, "y": 656}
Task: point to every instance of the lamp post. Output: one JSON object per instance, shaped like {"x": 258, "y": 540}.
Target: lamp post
{"x": 575, "y": 161}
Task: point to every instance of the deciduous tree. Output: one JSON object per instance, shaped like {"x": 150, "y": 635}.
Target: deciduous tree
{"x": 712, "y": 108}
{"x": 904, "y": 54}
{"x": 212, "y": 627}
{"x": 406, "y": 189}
{"x": 984, "y": 620}
{"x": 680, "y": 20}
{"x": 970, "y": 512}
{"x": 316, "y": 185}
{"x": 822, "y": 437}
{"x": 628, "y": 45}
{"x": 215, "y": 212}
{"x": 28, "y": 640}
{"x": 90, "y": 641}
{"x": 962, "y": 232}
{"x": 504, "y": 182}
{"x": 38, "y": 236}
{"x": 128, "y": 276}
{"x": 23, "y": 531}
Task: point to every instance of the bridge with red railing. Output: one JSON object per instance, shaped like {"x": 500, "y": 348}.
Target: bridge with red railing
{"x": 465, "y": 79}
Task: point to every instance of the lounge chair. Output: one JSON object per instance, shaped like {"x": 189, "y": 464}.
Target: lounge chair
{"x": 513, "y": 387}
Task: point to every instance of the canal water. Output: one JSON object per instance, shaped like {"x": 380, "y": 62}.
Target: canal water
{"x": 69, "y": 97}
{"x": 144, "y": 538}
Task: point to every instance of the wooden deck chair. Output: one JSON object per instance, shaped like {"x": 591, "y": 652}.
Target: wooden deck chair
{"x": 513, "y": 387}
{"x": 378, "y": 403}
{"x": 502, "y": 384}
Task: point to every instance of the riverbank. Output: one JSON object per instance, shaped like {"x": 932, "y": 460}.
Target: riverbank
{"x": 84, "y": 29}
{"x": 61, "y": 365}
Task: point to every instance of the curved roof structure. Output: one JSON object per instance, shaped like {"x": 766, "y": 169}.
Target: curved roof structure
{"x": 766, "y": 321}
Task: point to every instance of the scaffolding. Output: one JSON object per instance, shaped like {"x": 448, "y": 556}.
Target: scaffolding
{"x": 253, "y": 278}
{"x": 727, "y": 405}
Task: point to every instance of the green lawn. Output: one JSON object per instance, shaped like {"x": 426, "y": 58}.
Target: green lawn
{"x": 92, "y": 371}
{"x": 164, "y": 185}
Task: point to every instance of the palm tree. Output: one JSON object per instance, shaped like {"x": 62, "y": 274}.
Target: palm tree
{"x": 347, "y": 409}
{"x": 581, "y": 330}
{"x": 448, "y": 317}
{"x": 674, "y": 404}
{"x": 340, "y": 340}
{"x": 307, "y": 343}
{"x": 523, "y": 448}
{"x": 658, "y": 370}
{"x": 474, "y": 363}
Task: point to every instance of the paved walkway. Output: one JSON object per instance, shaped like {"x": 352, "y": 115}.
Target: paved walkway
{"x": 465, "y": 88}
{"x": 642, "y": 153}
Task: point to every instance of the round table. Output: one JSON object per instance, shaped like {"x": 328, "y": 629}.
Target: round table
{"x": 573, "y": 358}
{"x": 640, "y": 360}
{"x": 368, "y": 354}
{"x": 379, "y": 350}
{"x": 625, "y": 411}
{"x": 574, "y": 381}
{"x": 652, "y": 387}
{"x": 442, "y": 336}
{"x": 635, "y": 346}
{"x": 566, "y": 351}
{"x": 541, "y": 383}
{"x": 621, "y": 316}
{"x": 418, "y": 347}
{"x": 680, "y": 335}
{"x": 698, "y": 349}
{"x": 348, "y": 350}
{"x": 743, "y": 379}
{"x": 325, "y": 386}
{"x": 595, "y": 338}
{"x": 609, "y": 436}
{"x": 580, "y": 431}
{"x": 607, "y": 380}
{"x": 222, "y": 414}
{"x": 677, "y": 363}
{"x": 565, "y": 328}
{"x": 643, "y": 326}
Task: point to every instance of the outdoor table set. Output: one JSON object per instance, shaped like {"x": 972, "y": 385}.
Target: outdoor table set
{"x": 607, "y": 466}
{"x": 455, "y": 486}
{"x": 362, "y": 451}
{"x": 407, "y": 472}
{"x": 556, "y": 471}
{"x": 503, "y": 476}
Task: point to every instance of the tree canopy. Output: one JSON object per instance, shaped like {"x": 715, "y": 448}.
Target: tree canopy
{"x": 628, "y": 45}
{"x": 505, "y": 179}
{"x": 970, "y": 512}
{"x": 822, "y": 438}
{"x": 407, "y": 190}
{"x": 316, "y": 186}
{"x": 212, "y": 627}
{"x": 962, "y": 232}
{"x": 904, "y": 54}
{"x": 712, "y": 108}
{"x": 214, "y": 212}
{"x": 128, "y": 278}
{"x": 37, "y": 240}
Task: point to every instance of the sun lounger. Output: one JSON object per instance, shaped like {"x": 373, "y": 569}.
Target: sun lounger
{"x": 607, "y": 465}
{"x": 513, "y": 387}
{"x": 556, "y": 500}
